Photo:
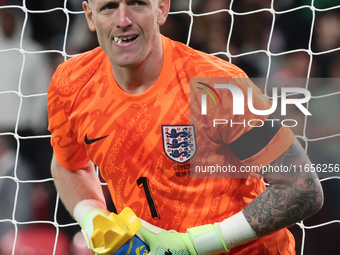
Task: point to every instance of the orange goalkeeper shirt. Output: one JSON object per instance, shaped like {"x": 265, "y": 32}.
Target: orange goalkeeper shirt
{"x": 128, "y": 138}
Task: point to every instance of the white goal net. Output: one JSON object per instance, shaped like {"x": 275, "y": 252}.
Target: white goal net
{"x": 293, "y": 40}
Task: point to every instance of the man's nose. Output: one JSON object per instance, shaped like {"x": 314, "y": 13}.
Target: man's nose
{"x": 124, "y": 19}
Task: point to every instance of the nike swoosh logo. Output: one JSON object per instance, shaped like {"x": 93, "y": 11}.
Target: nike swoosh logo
{"x": 91, "y": 141}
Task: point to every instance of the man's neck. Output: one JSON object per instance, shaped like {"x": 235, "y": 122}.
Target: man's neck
{"x": 138, "y": 79}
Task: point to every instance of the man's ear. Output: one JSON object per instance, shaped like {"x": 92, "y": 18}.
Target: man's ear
{"x": 163, "y": 11}
{"x": 89, "y": 16}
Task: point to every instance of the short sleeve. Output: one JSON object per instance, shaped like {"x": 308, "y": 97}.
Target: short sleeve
{"x": 69, "y": 153}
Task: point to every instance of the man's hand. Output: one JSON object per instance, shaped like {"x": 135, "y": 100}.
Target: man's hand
{"x": 110, "y": 233}
{"x": 168, "y": 243}
{"x": 202, "y": 240}
{"x": 87, "y": 225}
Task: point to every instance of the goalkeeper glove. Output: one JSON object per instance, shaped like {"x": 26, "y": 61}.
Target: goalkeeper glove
{"x": 87, "y": 226}
{"x": 83, "y": 213}
{"x": 109, "y": 233}
{"x": 202, "y": 240}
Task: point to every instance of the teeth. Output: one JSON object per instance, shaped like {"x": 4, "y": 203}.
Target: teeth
{"x": 117, "y": 39}
{"x": 121, "y": 39}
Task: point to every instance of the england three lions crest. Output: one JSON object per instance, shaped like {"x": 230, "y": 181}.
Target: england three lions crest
{"x": 179, "y": 142}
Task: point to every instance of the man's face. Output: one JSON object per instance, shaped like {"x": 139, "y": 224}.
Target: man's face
{"x": 127, "y": 30}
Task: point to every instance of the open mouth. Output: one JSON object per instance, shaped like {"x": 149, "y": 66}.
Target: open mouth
{"x": 125, "y": 39}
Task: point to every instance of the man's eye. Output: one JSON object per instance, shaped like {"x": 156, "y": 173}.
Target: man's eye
{"x": 139, "y": 3}
{"x": 109, "y": 6}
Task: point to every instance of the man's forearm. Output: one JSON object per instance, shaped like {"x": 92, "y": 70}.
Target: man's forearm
{"x": 290, "y": 197}
{"x": 75, "y": 186}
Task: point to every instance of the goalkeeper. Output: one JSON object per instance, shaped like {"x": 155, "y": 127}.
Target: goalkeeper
{"x": 116, "y": 106}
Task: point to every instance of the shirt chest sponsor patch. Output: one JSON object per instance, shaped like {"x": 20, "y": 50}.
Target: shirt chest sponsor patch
{"x": 179, "y": 142}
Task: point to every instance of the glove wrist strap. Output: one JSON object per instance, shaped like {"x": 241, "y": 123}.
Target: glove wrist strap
{"x": 236, "y": 230}
{"x": 84, "y": 207}
{"x": 88, "y": 218}
{"x": 207, "y": 240}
